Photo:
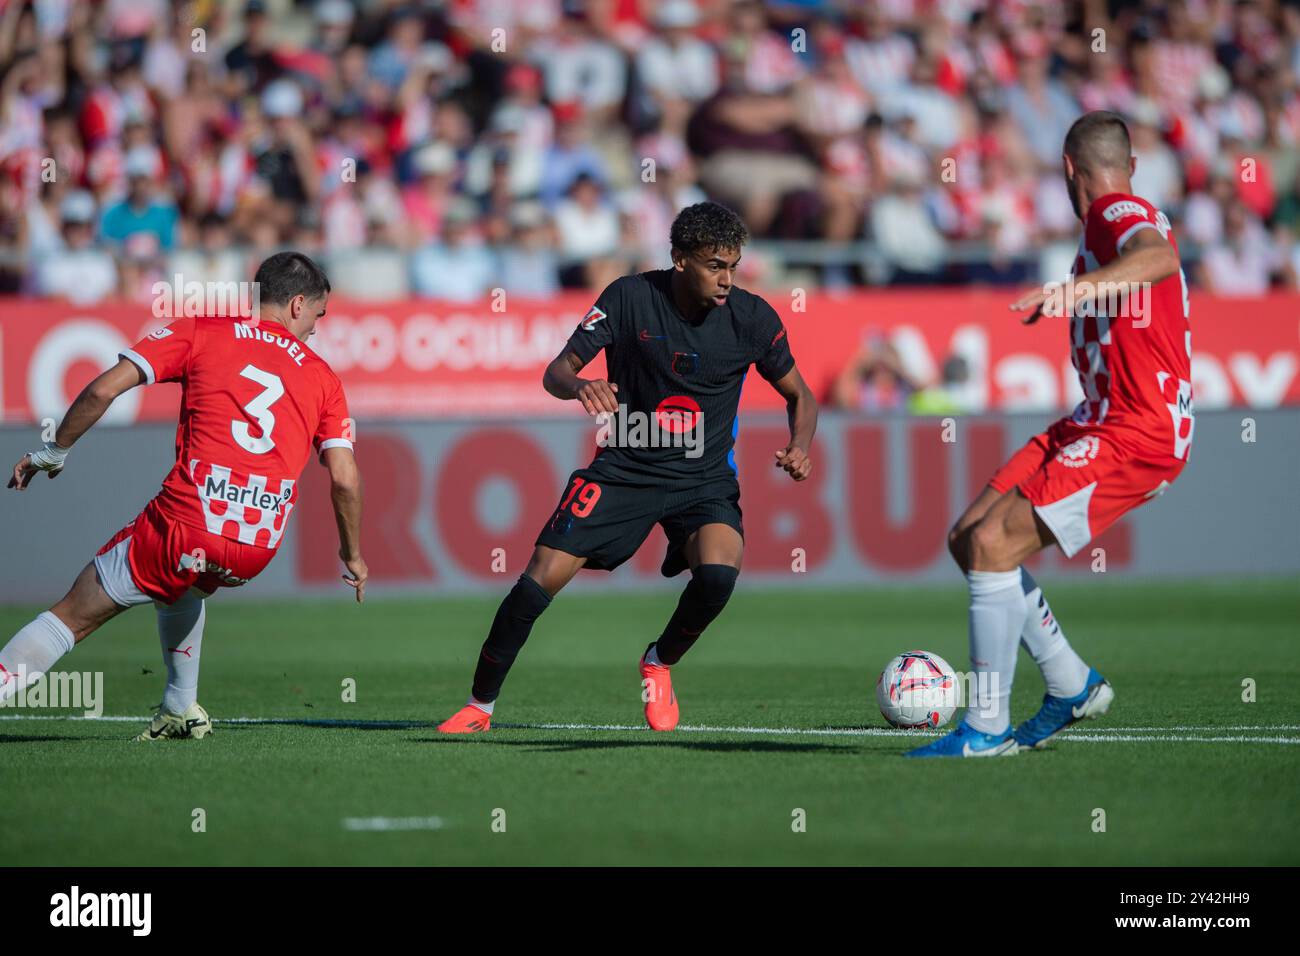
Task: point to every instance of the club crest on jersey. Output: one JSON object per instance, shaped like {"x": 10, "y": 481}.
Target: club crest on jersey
{"x": 1125, "y": 207}
{"x": 1080, "y": 452}
{"x": 591, "y": 318}
{"x": 686, "y": 363}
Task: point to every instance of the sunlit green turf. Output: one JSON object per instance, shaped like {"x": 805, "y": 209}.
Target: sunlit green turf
{"x": 79, "y": 792}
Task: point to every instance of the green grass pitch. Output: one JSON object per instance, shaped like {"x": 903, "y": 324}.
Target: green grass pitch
{"x": 1184, "y": 770}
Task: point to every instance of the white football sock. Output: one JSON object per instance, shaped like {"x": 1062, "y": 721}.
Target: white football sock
{"x": 1064, "y": 671}
{"x": 180, "y": 631}
{"x": 485, "y": 706}
{"x": 997, "y": 616}
{"x": 32, "y": 652}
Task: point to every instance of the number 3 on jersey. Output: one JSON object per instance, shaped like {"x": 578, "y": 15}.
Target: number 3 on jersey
{"x": 260, "y": 409}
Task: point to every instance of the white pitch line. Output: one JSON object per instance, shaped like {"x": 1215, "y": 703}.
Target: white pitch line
{"x": 385, "y": 824}
{"x": 1130, "y": 730}
{"x": 1114, "y": 735}
{"x": 1178, "y": 734}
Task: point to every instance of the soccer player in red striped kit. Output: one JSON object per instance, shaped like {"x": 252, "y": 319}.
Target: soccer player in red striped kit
{"x": 255, "y": 400}
{"x": 1124, "y": 444}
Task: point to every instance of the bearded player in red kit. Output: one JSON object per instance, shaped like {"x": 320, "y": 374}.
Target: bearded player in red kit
{"x": 1125, "y": 443}
{"x": 255, "y": 400}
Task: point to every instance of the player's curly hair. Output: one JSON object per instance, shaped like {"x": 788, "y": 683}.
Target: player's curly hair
{"x": 286, "y": 274}
{"x": 708, "y": 226}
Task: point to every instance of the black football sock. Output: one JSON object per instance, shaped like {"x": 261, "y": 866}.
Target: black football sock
{"x": 522, "y": 606}
{"x": 703, "y": 599}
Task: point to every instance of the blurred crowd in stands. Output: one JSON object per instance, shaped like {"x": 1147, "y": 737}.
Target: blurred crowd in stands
{"x": 448, "y": 147}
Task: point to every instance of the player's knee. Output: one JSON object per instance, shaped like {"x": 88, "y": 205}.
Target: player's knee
{"x": 987, "y": 544}
{"x": 958, "y": 544}
{"x": 551, "y": 570}
{"x": 715, "y": 582}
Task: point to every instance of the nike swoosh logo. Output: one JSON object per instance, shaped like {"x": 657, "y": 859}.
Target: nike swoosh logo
{"x": 966, "y": 751}
{"x": 1080, "y": 709}
{"x": 646, "y": 336}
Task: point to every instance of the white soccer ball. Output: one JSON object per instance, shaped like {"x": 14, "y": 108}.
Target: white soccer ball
{"x": 917, "y": 689}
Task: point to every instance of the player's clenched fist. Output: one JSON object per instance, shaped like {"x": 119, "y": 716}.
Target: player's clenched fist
{"x": 795, "y": 461}
{"x": 598, "y": 396}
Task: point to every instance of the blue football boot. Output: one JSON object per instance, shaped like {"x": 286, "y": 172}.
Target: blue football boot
{"x": 1057, "y": 713}
{"x": 966, "y": 741}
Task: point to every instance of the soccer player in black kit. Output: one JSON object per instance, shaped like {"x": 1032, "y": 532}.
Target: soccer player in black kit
{"x": 678, "y": 345}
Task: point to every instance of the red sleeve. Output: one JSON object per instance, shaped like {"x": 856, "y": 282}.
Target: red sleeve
{"x": 336, "y": 429}
{"x": 1116, "y": 218}
{"x": 164, "y": 355}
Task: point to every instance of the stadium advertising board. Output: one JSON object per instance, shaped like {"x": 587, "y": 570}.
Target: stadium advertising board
{"x": 416, "y": 359}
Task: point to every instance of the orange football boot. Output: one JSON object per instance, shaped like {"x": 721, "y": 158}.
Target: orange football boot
{"x": 468, "y": 720}
{"x": 657, "y": 692}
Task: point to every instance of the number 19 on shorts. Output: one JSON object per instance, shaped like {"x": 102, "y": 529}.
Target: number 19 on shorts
{"x": 583, "y": 495}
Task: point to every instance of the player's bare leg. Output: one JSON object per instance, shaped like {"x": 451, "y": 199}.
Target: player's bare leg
{"x": 38, "y": 646}
{"x": 548, "y": 571}
{"x": 553, "y": 569}
{"x": 959, "y": 536}
{"x": 86, "y": 607}
{"x": 1063, "y": 671}
{"x": 713, "y": 553}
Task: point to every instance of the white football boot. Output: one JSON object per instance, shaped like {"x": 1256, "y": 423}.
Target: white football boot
{"x": 194, "y": 724}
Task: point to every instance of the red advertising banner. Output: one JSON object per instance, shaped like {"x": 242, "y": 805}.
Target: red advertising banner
{"x": 416, "y": 359}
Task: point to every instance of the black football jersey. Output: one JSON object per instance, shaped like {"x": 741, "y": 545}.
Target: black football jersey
{"x": 678, "y": 381}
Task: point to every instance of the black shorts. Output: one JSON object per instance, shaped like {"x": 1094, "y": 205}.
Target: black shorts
{"x": 605, "y": 518}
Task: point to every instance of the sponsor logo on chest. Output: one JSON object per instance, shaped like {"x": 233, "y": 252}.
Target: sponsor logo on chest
{"x": 252, "y": 495}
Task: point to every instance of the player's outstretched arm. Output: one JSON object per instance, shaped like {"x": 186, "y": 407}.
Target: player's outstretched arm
{"x": 562, "y": 381}
{"x": 88, "y": 408}
{"x": 1147, "y": 258}
{"x": 345, "y": 493}
{"x": 801, "y": 409}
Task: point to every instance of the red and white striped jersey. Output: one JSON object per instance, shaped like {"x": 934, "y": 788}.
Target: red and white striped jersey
{"x": 254, "y": 401}
{"x": 1134, "y": 357}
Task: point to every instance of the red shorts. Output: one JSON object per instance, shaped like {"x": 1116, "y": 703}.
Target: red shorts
{"x": 156, "y": 558}
{"x": 1081, "y": 485}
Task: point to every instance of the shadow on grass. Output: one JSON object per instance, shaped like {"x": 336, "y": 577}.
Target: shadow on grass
{"x": 324, "y": 723}
{"x": 679, "y": 743}
{"x": 39, "y": 740}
